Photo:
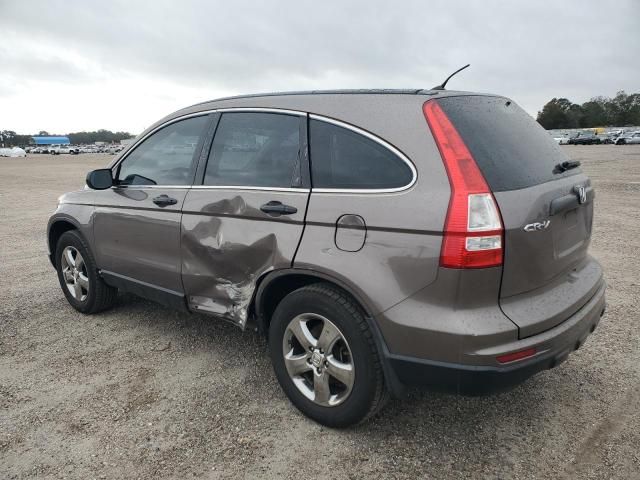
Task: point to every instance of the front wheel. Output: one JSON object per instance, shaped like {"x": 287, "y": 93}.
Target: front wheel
{"x": 78, "y": 275}
{"x": 325, "y": 358}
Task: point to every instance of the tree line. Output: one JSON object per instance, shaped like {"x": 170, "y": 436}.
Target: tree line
{"x": 12, "y": 139}
{"x": 619, "y": 111}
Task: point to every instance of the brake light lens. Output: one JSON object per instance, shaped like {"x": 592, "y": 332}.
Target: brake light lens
{"x": 473, "y": 228}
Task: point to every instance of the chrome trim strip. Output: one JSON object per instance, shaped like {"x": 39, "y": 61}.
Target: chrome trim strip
{"x": 378, "y": 140}
{"x": 321, "y": 118}
{"x": 209, "y": 187}
{"x": 261, "y": 109}
{"x": 151, "y": 187}
{"x": 241, "y": 187}
{"x": 133, "y": 146}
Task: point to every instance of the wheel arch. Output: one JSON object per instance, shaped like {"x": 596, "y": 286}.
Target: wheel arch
{"x": 275, "y": 285}
{"x": 56, "y": 228}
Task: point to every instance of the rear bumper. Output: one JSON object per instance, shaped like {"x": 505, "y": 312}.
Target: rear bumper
{"x": 553, "y": 347}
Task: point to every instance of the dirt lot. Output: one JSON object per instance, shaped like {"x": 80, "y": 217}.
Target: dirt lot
{"x": 143, "y": 392}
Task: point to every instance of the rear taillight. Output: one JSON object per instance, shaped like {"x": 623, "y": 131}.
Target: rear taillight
{"x": 473, "y": 229}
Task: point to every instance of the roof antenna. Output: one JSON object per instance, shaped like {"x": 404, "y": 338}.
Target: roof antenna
{"x": 441, "y": 87}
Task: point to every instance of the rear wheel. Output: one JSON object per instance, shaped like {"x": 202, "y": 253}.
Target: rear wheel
{"x": 324, "y": 356}
{"x": 78, "y": 275}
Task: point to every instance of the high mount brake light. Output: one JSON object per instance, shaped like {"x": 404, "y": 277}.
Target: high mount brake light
{"x": 473, "y": 230}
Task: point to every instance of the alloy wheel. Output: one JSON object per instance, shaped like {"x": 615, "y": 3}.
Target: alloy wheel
{"x": 74, "y": 272}
{"x": 318, "y": 359}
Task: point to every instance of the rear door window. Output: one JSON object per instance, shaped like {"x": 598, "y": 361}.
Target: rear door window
{"x": 344, "y": 159}
{"x": 512, "y": 150}
{"x": 256, "y": 150}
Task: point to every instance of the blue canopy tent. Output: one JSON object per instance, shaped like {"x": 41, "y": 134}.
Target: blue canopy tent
{"x": 51, "y": 140}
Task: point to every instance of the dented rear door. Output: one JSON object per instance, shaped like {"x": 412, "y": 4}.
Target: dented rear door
{"x": 246, "y": 215}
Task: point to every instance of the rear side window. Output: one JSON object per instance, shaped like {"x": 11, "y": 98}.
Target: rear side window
{"x": 166, "y": 157}
{"x": 344, "y": 159}
{"x": 256, "y": 150}
{"x": 511, "y": 149}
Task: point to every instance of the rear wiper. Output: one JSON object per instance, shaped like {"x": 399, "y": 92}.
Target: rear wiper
{"x": 567, "y": 165}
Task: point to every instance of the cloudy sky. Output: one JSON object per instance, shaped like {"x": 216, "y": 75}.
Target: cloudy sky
{"x": 82, "y": 65}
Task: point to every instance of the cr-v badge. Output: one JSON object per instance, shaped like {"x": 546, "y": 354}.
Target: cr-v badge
{"x": 537, "y": 226}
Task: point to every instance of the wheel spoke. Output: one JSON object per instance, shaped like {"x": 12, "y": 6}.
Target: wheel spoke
{"x": 321, "y": 388}
{"x": 83, "y": 281}
{"x": 343, "y": 372}
{"x": 68, "y": 256}
{"x": 77, "y": 291}
{"x": 302, "y": 334}
{"x": 79, "y": 261}
{"x": 328, "y": 337}
{"x": 297, "y": 364}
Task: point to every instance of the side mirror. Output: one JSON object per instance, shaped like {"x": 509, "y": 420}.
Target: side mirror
{"x": 100, "y": 179}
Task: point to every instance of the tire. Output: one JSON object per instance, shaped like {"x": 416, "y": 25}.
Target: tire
{"x": 324, "y": 308}
{"x": 621, "y": 142}
{"x": 84, "y": 289}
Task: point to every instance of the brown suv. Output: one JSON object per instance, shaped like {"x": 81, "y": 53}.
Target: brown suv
{"x": 378, "y": 238}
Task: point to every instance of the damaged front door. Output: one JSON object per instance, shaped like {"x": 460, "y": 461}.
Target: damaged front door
{"x": 247, "y": 215}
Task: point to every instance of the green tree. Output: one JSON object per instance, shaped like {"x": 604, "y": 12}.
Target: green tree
{"x": 594, "y": 114}
{"x": 98, "y": 136}
{"x": 621, "y": 110}
{"x": 557, "y": 113}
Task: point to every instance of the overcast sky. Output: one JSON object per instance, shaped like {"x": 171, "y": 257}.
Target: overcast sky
{"x": 82, "y": 65}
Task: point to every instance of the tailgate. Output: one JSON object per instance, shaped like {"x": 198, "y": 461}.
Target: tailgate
{"x": 546, "y": 211}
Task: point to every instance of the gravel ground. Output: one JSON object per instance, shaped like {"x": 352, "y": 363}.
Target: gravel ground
{"x": 144, "y": 392}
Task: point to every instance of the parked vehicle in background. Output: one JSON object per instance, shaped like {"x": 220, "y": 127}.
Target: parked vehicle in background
{"x": 629, "y": 138}
{"x": 13, "y": 152}
{"x": 448, "y": 247}
{"x": 584, "y": 138}
{"x": 58, "y": 149}
{"x": 562, "y": 139}
{"x": 113, "y": 149}
{"x": 74, "y": 150}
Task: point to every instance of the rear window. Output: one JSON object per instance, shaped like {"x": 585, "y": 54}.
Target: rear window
{"x": 511, "y": 149}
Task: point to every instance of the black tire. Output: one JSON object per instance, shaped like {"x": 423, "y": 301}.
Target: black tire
{"x": 99, "y": 295}
{"x": 369, "y": 393}
{"x": 622, "y": 141}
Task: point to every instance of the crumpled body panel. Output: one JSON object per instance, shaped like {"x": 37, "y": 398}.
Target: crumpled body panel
{"x": 228, "y": 243}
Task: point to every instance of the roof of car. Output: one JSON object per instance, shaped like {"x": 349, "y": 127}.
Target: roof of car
{"x": 354, "y": 91}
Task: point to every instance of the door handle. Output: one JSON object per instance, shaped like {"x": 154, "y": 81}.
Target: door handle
{"x": 164, "y": 200}
{"x": 276, "y": 208}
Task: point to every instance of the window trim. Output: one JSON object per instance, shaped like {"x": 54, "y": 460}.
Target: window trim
{"x": 195, "y": 158}
{"x": 303, "y": 156}
{"x": 322, "y": 118}
{"x": 380, "y": 141}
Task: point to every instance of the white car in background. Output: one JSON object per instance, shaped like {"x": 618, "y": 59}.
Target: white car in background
{"x": 561, "y": 138}
{"x": 58, "y": 149}
{"x": 629, "y": 138}
{"x": 14, "y": 152}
